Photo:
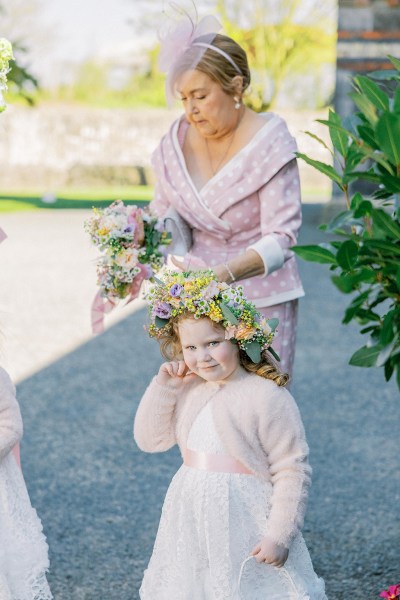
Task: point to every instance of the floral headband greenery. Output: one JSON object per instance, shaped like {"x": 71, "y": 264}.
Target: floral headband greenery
{"x": 201, "y": 294}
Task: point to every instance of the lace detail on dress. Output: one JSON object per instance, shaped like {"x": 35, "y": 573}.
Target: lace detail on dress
{"x": 210, "y": 522}
{"x": 23, "y": 551}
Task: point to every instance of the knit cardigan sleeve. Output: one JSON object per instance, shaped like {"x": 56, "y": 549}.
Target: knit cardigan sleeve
{"x": 154, "y": 425}
{"x": 283, "y": 438}
{"x": 10, "y": 416}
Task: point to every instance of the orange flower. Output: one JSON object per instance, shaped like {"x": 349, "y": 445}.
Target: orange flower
{"x": 243, "y": 332}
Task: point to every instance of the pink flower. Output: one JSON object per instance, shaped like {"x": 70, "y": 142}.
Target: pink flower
{"x": 392, "y": 593}
{"x": 211, "y": 290}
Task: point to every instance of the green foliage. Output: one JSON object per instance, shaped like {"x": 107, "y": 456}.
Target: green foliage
{"x": 277, "y": 50}
{"x": 365, "y": 256}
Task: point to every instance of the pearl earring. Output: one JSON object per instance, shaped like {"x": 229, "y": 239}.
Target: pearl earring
{"x": 237, "y": 103}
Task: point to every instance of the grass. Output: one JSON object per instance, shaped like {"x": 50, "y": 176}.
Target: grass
{"x": 16, "y": 201}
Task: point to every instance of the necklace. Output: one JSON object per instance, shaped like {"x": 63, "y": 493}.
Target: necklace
{"x": 225, "y": 154}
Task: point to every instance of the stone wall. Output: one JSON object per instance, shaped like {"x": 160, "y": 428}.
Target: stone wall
{"x": 53, "y": 147}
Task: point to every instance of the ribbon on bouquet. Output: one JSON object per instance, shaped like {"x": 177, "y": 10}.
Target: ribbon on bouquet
{"x": 102, "y": 306}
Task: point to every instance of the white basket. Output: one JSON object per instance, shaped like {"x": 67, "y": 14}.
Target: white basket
{"x": 278, "y": 574}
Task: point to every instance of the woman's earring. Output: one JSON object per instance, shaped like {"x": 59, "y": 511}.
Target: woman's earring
{"x": 237, "y": 103}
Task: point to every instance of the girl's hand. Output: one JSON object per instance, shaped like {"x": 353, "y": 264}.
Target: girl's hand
{"x": 174, "y": 372}
{"x": 271, "y": 553}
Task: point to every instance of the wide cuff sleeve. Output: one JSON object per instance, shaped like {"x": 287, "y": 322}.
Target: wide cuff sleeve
{"x": 10, "y": 416}
{"x": 290, "y": 472}
{"x": 154, "y": 425}
{"x": 270, "y": 252}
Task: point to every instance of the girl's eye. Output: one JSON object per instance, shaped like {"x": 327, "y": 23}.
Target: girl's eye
{"x": 213, "y": 343}
{"x": 190, "y": 347}
{"x": 200, "y": 97}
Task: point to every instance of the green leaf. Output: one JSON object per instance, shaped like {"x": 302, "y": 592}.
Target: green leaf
{"x": 228, "y": 314}
{"x": 365, "y": 356}
{"x": 388, "y": 136}
{"x": 367, "y": 134}
{"x": 356, "y": 201}
{"x": 385, "y": 353}
{"x": 340, "y": 140}
{"x": 339, "y": 220}
{"x": 323, "y": 168}
{"x": 160, "y": 323}
{"x": 347, "y": 255}
{"x": 373, "y": 92}
{"x": 395, "y": 61}
{"x": 274, "y": 354}
{"x": 315, "y": 254}
{"x": 388, "y": 369}
{"x": 343, "y": 283}
{"x": 385, "y": 247}
{"x": 273, "y": 323}
{"x": 396, "y": 101}
{"x": 387, "y": 332}
{"x": 367, "y": 108}
{"x": 319, "y": 140}
{"x": 386, "y": 223}
{"x": 363, "y": 209}
{"x": 398, "y": 278}
{"x": 253, "y": 351}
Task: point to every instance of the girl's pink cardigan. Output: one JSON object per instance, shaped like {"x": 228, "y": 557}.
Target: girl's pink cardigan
{"x": 259, "y": 424}
{"x": 10, "y": 416}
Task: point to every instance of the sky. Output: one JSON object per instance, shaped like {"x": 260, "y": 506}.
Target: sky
{"x": 63, "y": 33}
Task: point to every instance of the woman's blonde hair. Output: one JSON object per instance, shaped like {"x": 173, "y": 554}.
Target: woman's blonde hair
{"x": 216, "y": 66}
{"x": 171, "y": 349}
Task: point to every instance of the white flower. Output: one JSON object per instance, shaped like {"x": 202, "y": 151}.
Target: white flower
{"x": 127, "y": 259}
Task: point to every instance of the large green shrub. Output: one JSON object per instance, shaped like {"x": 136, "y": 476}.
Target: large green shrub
{"x": 364, "y": 250}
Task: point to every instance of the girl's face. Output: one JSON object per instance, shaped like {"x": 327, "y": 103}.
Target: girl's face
{"x": 206, "y": 351}
{"x": 207, "y": 107}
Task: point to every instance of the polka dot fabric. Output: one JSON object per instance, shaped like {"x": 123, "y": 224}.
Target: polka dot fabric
{"x": 255, "y": 196}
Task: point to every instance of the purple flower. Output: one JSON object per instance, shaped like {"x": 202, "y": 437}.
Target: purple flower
{"x": 163, "y": 310}
{"x": 128, "y": 229}
{"x": 176, "y": 290}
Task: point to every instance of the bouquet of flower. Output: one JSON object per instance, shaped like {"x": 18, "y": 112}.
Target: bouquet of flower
{"x": 131, "y": 240}
{"x": 6, "y": 54}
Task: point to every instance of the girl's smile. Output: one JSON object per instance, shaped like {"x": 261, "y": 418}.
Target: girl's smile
{"x": 206, "y": 351}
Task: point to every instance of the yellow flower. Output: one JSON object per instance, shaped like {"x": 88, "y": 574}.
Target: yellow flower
{"x": 244, "y": 332}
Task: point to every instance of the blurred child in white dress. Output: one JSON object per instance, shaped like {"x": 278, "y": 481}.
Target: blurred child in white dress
{"x": 23, "y": 548}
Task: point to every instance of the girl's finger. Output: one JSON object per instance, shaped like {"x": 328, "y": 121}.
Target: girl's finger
{"x": 255, "y": 550}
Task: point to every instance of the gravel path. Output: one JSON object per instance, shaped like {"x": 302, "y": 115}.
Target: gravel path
{"x": 99, "y": 497}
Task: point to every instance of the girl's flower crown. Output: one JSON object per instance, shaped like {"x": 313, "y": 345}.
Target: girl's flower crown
{"x": 202, "y": 295}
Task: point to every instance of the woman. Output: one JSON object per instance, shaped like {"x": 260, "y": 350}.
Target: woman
{"x": 231, "y": 174}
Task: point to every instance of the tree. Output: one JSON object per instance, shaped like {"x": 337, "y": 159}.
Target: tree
{"x": 16, "y": 19}
{"x": 280, "y": 40}
{"x": 365, "y": 256}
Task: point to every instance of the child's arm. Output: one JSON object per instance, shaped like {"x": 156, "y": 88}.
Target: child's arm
{"x": 154, "y": 426}
{"x": 283, "y": 437}
{"x": 10, "y": 416}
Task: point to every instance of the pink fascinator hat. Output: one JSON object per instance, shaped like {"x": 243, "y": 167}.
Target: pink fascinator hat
{"x": 182, "y": 46}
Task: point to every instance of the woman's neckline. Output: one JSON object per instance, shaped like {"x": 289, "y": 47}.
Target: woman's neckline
{"x": 181, "y": 140}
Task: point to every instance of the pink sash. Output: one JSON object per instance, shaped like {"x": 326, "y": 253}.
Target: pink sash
{"x": 219, "y": 463}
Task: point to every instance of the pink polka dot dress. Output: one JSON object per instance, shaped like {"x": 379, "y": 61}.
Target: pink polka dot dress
{"x": 252, "y": 202}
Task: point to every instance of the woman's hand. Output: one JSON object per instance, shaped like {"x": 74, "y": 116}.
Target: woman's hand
{"x": 174, "y": 373}
{"x": 271, "y": 553}
{"x": 196, "y": 264}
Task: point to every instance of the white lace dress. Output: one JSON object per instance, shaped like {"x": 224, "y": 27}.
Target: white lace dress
{"x": 210, "y": 522}
{"x": 23, "y": 547}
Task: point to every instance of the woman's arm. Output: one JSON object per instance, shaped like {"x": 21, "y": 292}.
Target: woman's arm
{"x": 10, "y": 416}
{"x": 280, "y": 220}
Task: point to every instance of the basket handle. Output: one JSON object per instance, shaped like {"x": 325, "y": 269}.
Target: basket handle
{"x": 281, "y": 569}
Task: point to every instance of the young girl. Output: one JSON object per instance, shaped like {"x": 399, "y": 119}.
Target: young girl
{"x": 23, "y": 548}
{"x": 231, "y": 520}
